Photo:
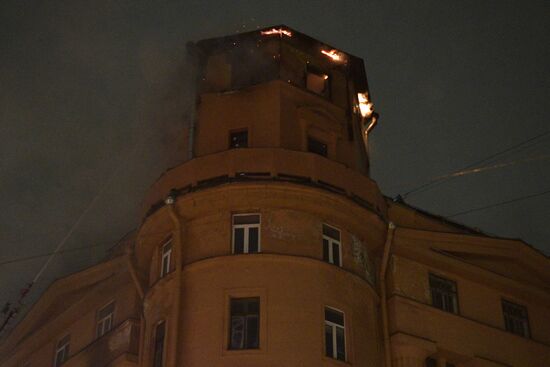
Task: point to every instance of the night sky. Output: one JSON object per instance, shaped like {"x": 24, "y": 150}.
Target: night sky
{"x": 91, "y": 102}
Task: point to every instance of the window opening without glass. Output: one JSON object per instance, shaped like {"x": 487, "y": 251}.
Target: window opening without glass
{"x": 316, "y": 146}
{"x": 238, "y": 139}
{"x": 317, "y": 81}
{"x": 246, "y": 233}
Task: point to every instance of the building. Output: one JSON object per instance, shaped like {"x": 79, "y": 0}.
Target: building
{"x": 271, "y": 245}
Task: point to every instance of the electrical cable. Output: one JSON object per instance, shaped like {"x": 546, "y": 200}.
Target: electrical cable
{"x": 14, "y": 310}
{"x": 495, "y": 166}
{"x": 26, "y": 258}
{"x": 438, "y": 181}
{"x": 499, "y": 204}
{"x": 489, "y": 168}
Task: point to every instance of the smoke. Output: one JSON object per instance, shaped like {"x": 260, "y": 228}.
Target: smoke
{"x": 86, "y": 89}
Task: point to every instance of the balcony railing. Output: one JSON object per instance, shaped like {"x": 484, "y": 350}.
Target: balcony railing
{"x": 265, "y": 164}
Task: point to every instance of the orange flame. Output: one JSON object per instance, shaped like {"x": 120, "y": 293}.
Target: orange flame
{"x": 365, "y": 106}
{"x": 333, "y": 54}
{"x": 280, "y": 31}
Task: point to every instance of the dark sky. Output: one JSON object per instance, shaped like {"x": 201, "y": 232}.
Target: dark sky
{"x": 90, "y": 102}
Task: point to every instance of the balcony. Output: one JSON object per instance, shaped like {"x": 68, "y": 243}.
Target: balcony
{"x": 117, "y": 348}
{"x": 267, "y": 164}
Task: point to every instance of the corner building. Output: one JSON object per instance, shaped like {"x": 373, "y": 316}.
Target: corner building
{"x": 271, "y": 245}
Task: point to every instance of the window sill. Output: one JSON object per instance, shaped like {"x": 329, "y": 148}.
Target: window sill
{"x": 238, "y": 352}
{"x": 336, "y": 362}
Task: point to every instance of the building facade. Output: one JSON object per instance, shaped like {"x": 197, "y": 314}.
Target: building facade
{"x": 271, "y": 245}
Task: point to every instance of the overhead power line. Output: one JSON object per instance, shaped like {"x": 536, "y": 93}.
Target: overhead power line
{"x": 14, "y": 308}
{"x": 437, "y": 181}
{"x": 489, "y": 168}
{"x": 27, "y": 258}
{"x": 495, "y": 166}
{"x": 32, "y": 257}
{"x": 521, "y": 198}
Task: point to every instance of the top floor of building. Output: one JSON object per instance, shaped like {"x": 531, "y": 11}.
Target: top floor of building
{"x": 278, "y": 88}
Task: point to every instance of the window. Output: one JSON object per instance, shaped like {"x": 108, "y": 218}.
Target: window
{"x": 444, "y": 294}
{"x": 105, "y": 319}
{"x": 166, "y": 258}
{"x": 335, "y": 340}
{"x": 246, "y": 233}
{"x": 238, "y": 139}
{"x": 316, "y": 146}
{"x": 62, "y": 351}
{"x": 515, "y": 318}
{"x": 332, "y": 249}
{"x": 245, "y": 323}
{"x": 317, "y": 81}
{"x": 158, "y": 354}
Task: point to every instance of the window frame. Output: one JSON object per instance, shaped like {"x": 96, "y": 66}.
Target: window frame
{"x": 246, "y": 228}
{"x": 456, "y": 306}
{"x": 334, "y": 326}
{"x": 64, "y": 348}
{"x": 166, "y": 256}
{"x": 246, "y": 315}
{"x": 331, "y": 242}
{"x": 100, "y": 321}
{"x": 155, "y": 345}
{"x": 237, "y": 131}
{"x": 526, "y": 326}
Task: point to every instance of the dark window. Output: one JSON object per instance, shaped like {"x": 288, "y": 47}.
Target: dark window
{"x": 515, "y": 318}
{"x": 317, "y": 81}
{"x": 317, "y": 147}
{"x": 244, "y": 331}
{"x": 238, "y": 139}
{"x": 246, "y": 233}
{"x": 158, "y": 355}
{"x": 444, "y": 294}
{"x": 335, "y": 341}
{"x": 105, "y": 319}
{"x": 62, "y": 351}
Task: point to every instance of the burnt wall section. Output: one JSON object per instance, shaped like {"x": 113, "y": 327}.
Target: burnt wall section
{"x": 327, "y": 80}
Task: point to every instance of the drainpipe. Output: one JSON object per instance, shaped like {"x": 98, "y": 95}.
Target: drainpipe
{"x": 133, "y": 272}
{"x": 178, "y": 252}
{"x": 383, "y": 303}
